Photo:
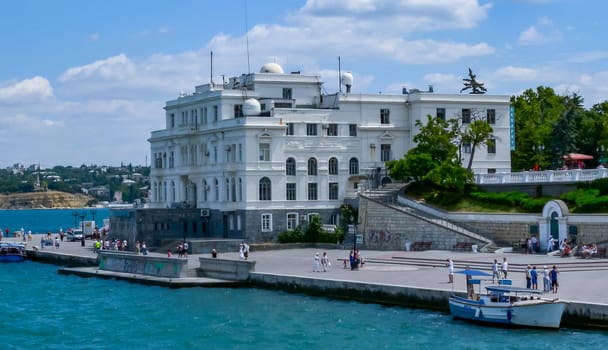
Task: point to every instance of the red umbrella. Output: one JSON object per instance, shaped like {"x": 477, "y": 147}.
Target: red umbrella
{"x": 577, "y": 156}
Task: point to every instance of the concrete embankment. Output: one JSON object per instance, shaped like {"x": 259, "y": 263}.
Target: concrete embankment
{"x": 387, "y": 278}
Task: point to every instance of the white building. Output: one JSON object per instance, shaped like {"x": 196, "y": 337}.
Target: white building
{"x": 264, "y": 151}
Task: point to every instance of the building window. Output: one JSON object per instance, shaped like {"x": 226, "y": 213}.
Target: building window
{"x": 312, "y": 167}
{"x": 385, "y": 116}
{"x": 491, "y": 116}
{"x": 334, "y": 219}
{"x": 491, "y": 144}
{"x": 333, "y": 191}
{"x": 227, "y": 189}
{"x": 172, "y": 120}
{"x": 238, "y": 111}
{"x": 266, "y": 222}
{"x": 240, "y": 189}
{"x": 313, "y": 193}
{"x": 240, "y": 152}
{"x": 466, "y": 116}
{"x": 287, "y": 93}
{"x": 216, "y": 113}
{"x": 491, "y": 171}
{"x": 205, "y": 190}
{"x": 332, "y": 129}
{"x": 292, "y": 221}
{"x": 311, "y": 129}
{"x": 265, "y": 152}
{"x": 290, "y": 167}
{"x": 171, "y": 160}
{"x": 352, "y": 130}
{"x": 290, "y": 191}
{"x": 353, "y": 166}
{"x": 333, "y": 166}
{"x": 290, "y": 129}
{"x": 265, "y": 190}
{"x": 204, "y": 113}
{"x": 385, "y": 152}
{"x": 216, "y": 184}
{"x": 467, "y": 147}
{"x": 441, "y": 113}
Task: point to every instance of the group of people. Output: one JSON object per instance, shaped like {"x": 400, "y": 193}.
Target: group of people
{"x": 500, "y": 271}
{"x": 243, "y": 251}
{"x": 550, "y": 282}
{"x": 321, "y": 262}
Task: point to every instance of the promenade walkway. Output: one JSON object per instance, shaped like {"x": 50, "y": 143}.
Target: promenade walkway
{"x": 581, "y": 280}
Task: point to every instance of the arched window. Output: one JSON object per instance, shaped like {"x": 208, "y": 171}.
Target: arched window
{"x": 333, "y": 166}
{"x": 264, "y": 189}
{"x": 353, "y": 166}
{"x": 290, "y": 167}
{"x": 312, "y": 166}
{"x": 217, "y": 189}
{"x": 173, "y": 191}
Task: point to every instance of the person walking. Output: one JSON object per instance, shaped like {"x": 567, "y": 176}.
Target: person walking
{"x": 495, "y": 272}
{"x": 554, "y": 283}
{"x": 315, "y": 263}
{"x": 546, "y": 279}
{"x": 325, "y": 262}
{"x": 504, "y": 268}
{"x": 534, "y": 277}
{"x": 528, "y": 277}
{"x": 450, "y": 265}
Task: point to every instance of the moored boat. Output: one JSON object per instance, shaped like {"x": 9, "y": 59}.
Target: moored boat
{"x": 509, "y": 306}
{"x": 12, "y": 251}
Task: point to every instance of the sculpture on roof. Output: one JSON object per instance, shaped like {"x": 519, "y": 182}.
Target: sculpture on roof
{"x": 471, "y": 83}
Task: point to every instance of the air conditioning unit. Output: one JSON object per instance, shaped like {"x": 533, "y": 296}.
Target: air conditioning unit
{"x": 205, "y": 213}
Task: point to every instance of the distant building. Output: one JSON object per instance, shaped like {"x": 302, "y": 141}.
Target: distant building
{"x": 265, "y": 151}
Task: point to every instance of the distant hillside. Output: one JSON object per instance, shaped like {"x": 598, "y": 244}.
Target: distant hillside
{"x": 43, "y": 200}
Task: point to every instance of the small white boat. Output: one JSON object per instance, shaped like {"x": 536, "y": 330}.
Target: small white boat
{"x": 509, "y": 306}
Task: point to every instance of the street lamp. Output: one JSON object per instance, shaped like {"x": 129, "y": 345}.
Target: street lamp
{"x": 94, "y": 224}
{"x": 538, "y": 150}
{"x": 75, "y": 220}
{"x": 600, "y": 150}
{"x": 82, "y": 215}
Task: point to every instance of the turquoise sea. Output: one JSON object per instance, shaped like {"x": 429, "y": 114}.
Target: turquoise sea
{"x": 44, "y": 220}
{"x": 46, "y": 310}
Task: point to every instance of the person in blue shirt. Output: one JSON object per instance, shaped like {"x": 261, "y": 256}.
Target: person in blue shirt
{"x": 534, "y": 277}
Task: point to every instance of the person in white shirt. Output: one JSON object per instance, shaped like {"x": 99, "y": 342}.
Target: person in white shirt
{"x": 504, "y": 268}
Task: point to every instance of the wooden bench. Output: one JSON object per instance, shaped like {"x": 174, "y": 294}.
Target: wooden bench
{"x": 464, "y": 246}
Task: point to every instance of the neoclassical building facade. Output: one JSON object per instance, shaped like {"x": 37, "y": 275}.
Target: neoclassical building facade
{"x": 263, "y": 152}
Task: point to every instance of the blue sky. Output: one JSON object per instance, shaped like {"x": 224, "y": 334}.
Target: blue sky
{"x": 84, "y": 82}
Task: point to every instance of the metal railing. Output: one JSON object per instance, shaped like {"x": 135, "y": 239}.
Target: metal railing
{"x": 570, "y": 175}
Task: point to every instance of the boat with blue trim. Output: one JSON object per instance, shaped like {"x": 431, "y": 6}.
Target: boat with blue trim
{"x": 12, "y": 251}
{"x": 509, "y": 306}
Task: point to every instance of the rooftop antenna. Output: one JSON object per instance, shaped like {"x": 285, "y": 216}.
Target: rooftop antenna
{"x": 247, "y": 38}
{"x": 339, "y": 75}
{"x": 211, "y": 68}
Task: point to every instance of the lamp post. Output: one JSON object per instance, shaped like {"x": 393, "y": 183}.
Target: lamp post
{"x": 94, "y": 224}
{"x": 538, "y": 150}
{"x": 75, "y": 220}
{"x": 82, "y": 227}
{"x": 600, "y": 150}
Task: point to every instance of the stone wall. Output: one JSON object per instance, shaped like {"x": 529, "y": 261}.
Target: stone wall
{"x": 143, "y": 264}
{"x": 386, "y": 228}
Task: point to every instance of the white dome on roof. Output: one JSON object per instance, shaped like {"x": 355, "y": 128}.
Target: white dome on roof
{"x": 251, "y": 107}
{"x": 347, "y": 78}
{"x": 271, "y": 68}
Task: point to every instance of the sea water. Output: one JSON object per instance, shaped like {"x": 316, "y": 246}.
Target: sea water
{"x": 41, "y": 309}
{"x": 45, "y": 220}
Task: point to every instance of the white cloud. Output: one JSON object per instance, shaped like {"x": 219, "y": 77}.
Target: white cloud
{"x": 542, "y": 32}
{"x": 513, "y": 73}
{"x": 115, "y": 68}
{"x": 28, "y": 89}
